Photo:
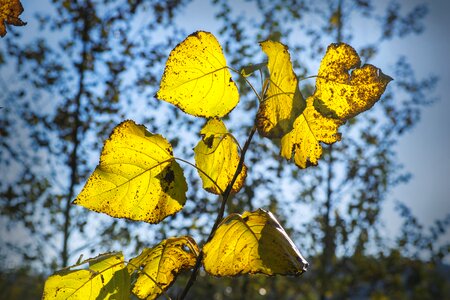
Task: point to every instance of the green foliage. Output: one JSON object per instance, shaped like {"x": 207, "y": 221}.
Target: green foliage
{"x": 138, "y": 178}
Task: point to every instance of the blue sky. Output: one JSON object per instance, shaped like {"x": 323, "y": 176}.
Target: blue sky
{"x": 424, "y": 150}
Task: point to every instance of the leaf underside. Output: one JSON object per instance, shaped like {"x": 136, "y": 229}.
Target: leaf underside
{"x": 252, "y": 243}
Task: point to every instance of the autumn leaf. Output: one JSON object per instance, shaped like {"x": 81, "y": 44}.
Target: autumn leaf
{"x": 9, "y": 14}
{"x": 252, "y": 243}
{"x": 343, "y": 95}
{"x": 283, "y": 101}
{"x": 310, "y": 128}
{"x": 338, "y": 97}
{"x": 137, "y": 177}
{"x": 158, "y": 267}
{"x": 105, "y": 278}
{"x": 217, "y": 155}
{"x": 196, "y": 78}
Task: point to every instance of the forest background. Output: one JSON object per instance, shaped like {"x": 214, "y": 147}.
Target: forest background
{"x": 376, "y": 206}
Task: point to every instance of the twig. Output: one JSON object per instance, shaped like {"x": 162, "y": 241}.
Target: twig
{"x": 225, "y": 196}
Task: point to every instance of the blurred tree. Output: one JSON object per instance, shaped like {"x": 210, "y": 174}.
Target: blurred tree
{"x": 93, "y": 63}
{"x": 63, "y": 89}
{"x": 346, "y": 191}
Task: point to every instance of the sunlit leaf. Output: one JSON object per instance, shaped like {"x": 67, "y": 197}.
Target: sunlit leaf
{"x": 105, "y": 278}
{"x": 9, "y": 14}
{"x": 252, "y": 243}
{"x": 137, "y": 177}
{"x": 158, "y": 267}
{"x": 283, "y": 101}
{"x": 310, "y": 128}
{"x": 340, "y": 94}
{"x": 217, "y": 155}
{"x": 196, "y": 78}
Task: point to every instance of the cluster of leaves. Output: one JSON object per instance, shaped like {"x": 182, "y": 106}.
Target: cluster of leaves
{"x": 65, "y": 97}
{"x": 139, "y": 178}
{"x": 346, "y": 193}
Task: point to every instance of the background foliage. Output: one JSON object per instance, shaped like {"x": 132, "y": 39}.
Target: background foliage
{"x": 90, "y": 64}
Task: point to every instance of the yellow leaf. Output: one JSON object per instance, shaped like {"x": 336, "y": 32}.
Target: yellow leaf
{"x": 196, "y": 78}
{"x": 342, "y": 95}
{"x": 105, "y": 278}
{"x": 9, "y": 14}
{"x": 137, "y": 177}
{"x": 283, "y": 101}
{"x": 158, "y": 266}
{"x": 252, "y": 243}
{"x": 310, "y": 128}
{"x": 217, "y": 155}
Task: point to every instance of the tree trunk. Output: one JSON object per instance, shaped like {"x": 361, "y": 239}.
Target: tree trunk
{"x": 73, "y": 161}
{"x": 328, "y": 241}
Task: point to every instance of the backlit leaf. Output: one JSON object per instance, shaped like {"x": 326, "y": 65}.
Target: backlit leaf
{"x": 9, "y": 14}
{"x": 252, "y": 243}
{"x": 310, "y": 128}
{"x": 342, "y": 95}
{"x": 217, "y": 155}
{"x": 137, "y": 177}
{"x": 283, "y": 101}
{"x": 158, "y": 266}
{"x": 105, "y": 278}
{"x": 196, "y": 78}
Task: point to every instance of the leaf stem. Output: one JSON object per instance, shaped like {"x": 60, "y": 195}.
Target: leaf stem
{"x": 307, "y": 77}
{"x": 201, "y": 171}
{"x": 225, "y": 196}
{"x": 248, "y": 82}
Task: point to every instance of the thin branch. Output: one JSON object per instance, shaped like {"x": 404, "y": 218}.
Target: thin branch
{"x": 248, "y": 82}
{"x": 308, "y": 77}
{"x": 201, "y": 171}
{"x": 75, "y": 139}
{"x": 225, "y": 196}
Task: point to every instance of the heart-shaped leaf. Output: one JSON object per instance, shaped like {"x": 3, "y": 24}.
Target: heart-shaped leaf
{"x": 196, "y": 78}
{"x": 137, "y": 177}
{"x": 343, "y": 95}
